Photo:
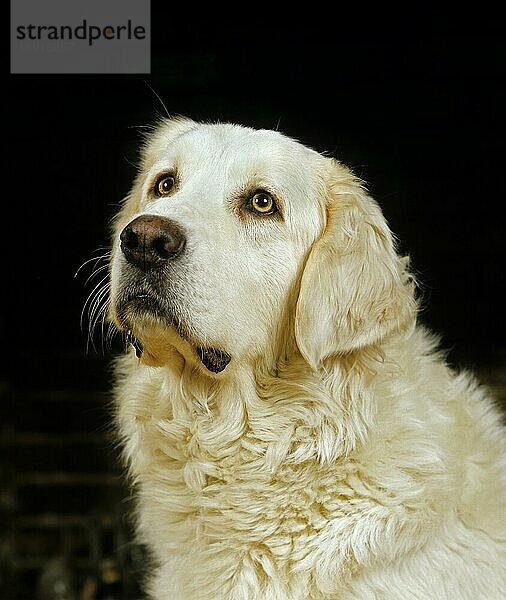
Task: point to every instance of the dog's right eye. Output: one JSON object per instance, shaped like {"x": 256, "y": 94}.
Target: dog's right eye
{"x": 164, "y": 185}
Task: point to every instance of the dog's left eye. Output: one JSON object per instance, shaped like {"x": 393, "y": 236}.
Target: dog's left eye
{"x": 164, "y": 185}
{"x": 262, "y": 203}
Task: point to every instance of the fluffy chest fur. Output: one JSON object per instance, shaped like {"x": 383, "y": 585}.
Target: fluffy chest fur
{"x": 288, "y": 488}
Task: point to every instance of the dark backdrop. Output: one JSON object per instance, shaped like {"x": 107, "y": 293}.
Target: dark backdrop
{"x": 415, "y": 106}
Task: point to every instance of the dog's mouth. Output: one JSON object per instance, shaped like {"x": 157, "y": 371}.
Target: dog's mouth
{"x": 131, "y": 339}
{"x": 214, "y": 360}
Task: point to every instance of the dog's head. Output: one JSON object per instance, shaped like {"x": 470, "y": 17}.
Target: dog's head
{"x": 231, "y": 238}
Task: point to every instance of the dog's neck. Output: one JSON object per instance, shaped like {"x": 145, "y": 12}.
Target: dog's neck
{"x": 332, "y": 410}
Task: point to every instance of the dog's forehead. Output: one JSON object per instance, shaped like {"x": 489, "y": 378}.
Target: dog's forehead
{"x": 234, "y": 152}
{"x": 229, "y": 140}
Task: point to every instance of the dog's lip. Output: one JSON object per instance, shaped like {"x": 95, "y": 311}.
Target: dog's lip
{"x": 213, "y": 359}
{"x": 140, "y": 301}
{"x": 144, "y": 297}
{"x": 131, "y": 339}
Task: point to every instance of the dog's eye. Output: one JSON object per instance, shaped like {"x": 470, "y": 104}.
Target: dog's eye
{"x": 164, "y": 185}
{"x": 262, "y": 203}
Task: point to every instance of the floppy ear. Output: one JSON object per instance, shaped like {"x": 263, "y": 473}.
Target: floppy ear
{"x": 355, "y": 290}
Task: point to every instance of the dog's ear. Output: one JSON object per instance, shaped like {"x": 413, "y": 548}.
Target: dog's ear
{"x": 355, "y": 290}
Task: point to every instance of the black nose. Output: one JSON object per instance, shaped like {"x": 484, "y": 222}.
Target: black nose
{"x": 149, "y": 241}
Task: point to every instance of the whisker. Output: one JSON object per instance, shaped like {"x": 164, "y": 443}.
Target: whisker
{"x": 91, "y": 298}
{"x": 96, "y": 272}
{"x": 98, "y": 311}
{"x": 159, "y": 99}
{"x": 98, "y": 305}
{"x": 102, "y": 317}
{"x": 95, "y": 310}
{"x": 109, "y": 336}
{"x": 95, "y": 259}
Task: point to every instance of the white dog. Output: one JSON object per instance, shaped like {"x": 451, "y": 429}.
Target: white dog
{"x": 290, "y": 430}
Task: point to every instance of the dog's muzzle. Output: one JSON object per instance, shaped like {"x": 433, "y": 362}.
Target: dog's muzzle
{"x": 148, "y": 243}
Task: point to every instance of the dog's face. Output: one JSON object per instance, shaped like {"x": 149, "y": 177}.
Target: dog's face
{"x": 211, "y": 247}
{"x": 211, "y": 241}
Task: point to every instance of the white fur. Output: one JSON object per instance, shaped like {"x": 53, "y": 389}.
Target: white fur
{"x": 337, "y": 456}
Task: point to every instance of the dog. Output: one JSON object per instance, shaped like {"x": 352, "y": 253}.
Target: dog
{"x": 290, "y": 429}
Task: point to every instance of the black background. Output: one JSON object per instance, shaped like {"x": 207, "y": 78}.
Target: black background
{"x": 415, "y": 106}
